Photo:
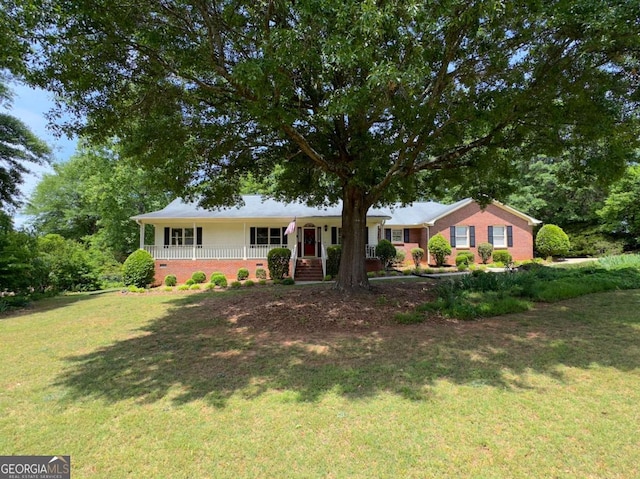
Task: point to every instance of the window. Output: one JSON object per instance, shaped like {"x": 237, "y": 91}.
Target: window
{"x": 397, "y": 236}
{"x": 275, "y": 236}
{"x": 266, "y": 235}
{"x": 182, "y": 236}
{"x": 462, "y": 237}
{"x": 499, "y": 237}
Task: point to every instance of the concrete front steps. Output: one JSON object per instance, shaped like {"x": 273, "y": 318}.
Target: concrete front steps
{"x": 308, "y": 270}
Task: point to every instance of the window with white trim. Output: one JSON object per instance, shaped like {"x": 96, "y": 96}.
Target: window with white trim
{"x": 500, "y": 236}
{"x": 267, "y": 235}
{"x": 182, "y": 237}
{"x": 462, "y": 236}
{"x": 397, "y": 236}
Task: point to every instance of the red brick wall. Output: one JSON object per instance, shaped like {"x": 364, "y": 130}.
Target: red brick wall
{"x": 472, "y": 215}
{"x": 182, "y": 269}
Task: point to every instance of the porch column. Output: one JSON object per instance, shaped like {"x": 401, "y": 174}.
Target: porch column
{"x": 244, "y": 241}
{"x": 141, "y": 235}
{"x": 195, "y": 236}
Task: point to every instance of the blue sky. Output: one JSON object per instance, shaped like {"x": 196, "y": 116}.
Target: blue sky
{"x": 30, "y": 105}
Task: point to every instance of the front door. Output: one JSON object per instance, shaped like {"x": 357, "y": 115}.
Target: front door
{"x": 309, "y": 236}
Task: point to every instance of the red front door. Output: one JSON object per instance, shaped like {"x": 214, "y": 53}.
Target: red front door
{"x": 309, "y": 241}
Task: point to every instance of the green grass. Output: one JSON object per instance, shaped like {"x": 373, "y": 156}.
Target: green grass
{"x": 490, "y": 294}
{"x": 164, "y": 386}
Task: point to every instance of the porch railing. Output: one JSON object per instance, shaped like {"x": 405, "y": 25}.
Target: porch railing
{"x": 226, "y": 252}
{"x": 210, "y": 251}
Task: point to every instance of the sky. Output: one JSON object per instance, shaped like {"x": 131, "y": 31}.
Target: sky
{"x": 30, "y": 105}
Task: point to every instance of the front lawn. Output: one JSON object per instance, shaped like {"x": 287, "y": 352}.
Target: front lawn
{"x": 210, "y": 385}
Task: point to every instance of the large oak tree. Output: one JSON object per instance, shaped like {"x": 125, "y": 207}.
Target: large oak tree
{"x": 365, "y": 101}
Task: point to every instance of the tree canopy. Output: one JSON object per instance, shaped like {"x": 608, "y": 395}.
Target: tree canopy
{"x": 92, "y": 198}
{"x": 18, "y": 147}
{"x": 368, "y": 102}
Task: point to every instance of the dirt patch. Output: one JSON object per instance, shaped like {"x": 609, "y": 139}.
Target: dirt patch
{"x": 319, "y": 307}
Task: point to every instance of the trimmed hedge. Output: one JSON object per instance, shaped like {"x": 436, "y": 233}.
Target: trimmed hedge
{"x": 466, "y": 258}
{"x": 440, "y": 248}
{"x": 170, "y": 280}
{"x": 386, "y": 252}
{"x": 199, "y": 277}
{"x": 334, "y": 253}
{"x": 278, "y": 262}
{"x": 138, "y": 269}
{"x": 502, "y": 256}
{"x": 551, "y": 240}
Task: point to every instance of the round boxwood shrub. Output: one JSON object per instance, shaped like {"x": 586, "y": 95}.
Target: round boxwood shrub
{"x": 440, "y": 248}
{"x": 385, "y": 252}
{"x": 485, "y": 250}
{"x": 278, "y": 262}
{"x": 199, "y": 277}
{"x": 502, "y": 256}
{"x": 334, "y": 253}
{"x": 170, "y": 280}
{"x": 189, "y": 282}
{"x": 551, "y": 240}
{"x": 138, "y": 269}
{"x": 219, "y": 279}
{"x": 465, "y": 258}
{"x": 417, "y": 254}
{"x": 243, "y": 273}
{"x": 261, "y": 273}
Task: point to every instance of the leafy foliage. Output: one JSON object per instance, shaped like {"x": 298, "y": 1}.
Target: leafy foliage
{"x": 170, "y": 280}
{"x": 502, "y": 256}
{"x": 199, "y": 277}
{"x": 385, "y": 252}
{"x": 68, "y": 264}
{"x": 333, "y": 259}
{"x": 485, "y": 250}
{"x": 219, "y": 279}
{"x": 621, "y": 210}
{"x": 138, "y": 269}
{"x": 440, "y": 248}
{"x": 243, "y": 273}
{"x": 551, "y": 240}
{"x": 261, "y": 273}
{"x": 368, "y": 103}
{"x": 18, "y": 147}
{"x": 466, "y": 258}
{"x": 416, "y": 255}
{"x": 278, "y": 262}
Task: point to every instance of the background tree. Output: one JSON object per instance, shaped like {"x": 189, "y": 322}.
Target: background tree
{"x": 18, "y": 147}
{"x": 621, "y": 210}
{"x": 352, "y": 99}
{"x": 92, "y": 198}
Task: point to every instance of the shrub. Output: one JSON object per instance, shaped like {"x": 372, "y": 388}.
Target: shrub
{"x": 278, "y": 262}
{"x": 417, "y": 254}
{"x": 551, "y": 240}
{"x": 167, "y": 288}
{"x": 371, "y": 274}
{"x": 439, "y": 248}
{"x": 190, "y": 282}
{"x": 502, "y": 256}
{"x": 328, "y": 277}
{"x": 183, "y": 287}
{"x": 235, "y": 284}
{"x": 463, "y": 266}
{"x": 485, "y": 250}
{"x": 199, "y": 277}
{"x": 209, "y": 286}
{"x": 249, "y": 283}
{"x": 262, "y": 282}
{"x": 135, "y": 289}
{"x": 399, "y": 258}
{"x": 334, "y": 253}
{"x": 288, "y": 281}
{"x": 219, "y": 279}
{"x": 385, "y": 252}
{"x": 465, "y": 258}
{"x": 243, "y": 273}
{"x": 170, "y": 280}
{"x": 261, "y": 273}
{"x": 194, "y": 286}
{"x": 138, "y": 269}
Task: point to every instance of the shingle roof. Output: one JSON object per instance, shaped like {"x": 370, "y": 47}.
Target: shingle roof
{"x": 254, "y": 207}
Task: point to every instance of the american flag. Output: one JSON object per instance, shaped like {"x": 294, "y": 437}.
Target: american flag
{"x": 291, "y": 228}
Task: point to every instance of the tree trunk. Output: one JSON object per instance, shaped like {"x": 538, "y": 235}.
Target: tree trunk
{"x": 352, "y": 275}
